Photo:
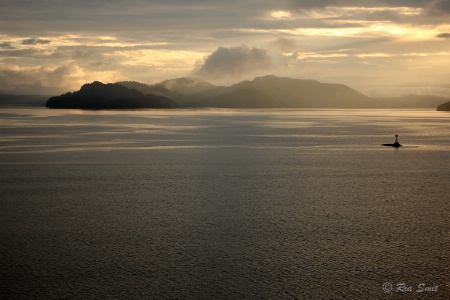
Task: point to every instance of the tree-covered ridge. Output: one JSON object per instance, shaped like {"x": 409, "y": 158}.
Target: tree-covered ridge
{"x": 98, "y": 95}
{"x": 444, "y": 106}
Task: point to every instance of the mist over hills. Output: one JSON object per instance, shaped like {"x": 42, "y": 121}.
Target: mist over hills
{"x": 186, "y": 91}
{"x": 262, "y": 92}
{"x": 412, "y": 101}
{"x": 12, "y": 100}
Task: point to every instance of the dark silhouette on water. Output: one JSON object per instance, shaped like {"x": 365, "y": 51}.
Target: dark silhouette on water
{"x": 396, "y": 144}
{"x": 98, "y": 95}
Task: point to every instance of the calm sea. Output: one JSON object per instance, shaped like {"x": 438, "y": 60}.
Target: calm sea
{"x": 215, "y": 204}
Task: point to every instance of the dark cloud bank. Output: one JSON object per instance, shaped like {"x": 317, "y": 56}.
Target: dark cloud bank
{"x": 35, "y": 41}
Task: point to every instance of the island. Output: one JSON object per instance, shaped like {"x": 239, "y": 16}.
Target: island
{"x": 98, "y": 95}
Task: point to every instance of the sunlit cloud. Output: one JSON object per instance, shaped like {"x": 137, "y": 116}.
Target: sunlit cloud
{"x": 76, "y": 40}
{"x": 343, "y": 13}
{"x": 368, "y": 29}
{"x": 161, "y": 59}
{"x": 50, "y": 78}
{"x": 364, "y": 55}
{"x": 352, "y": 11}
{"x": 281, "y": 14}
{"x": 320, "y": 55}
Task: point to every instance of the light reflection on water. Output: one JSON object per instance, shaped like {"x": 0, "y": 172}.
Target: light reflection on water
{"x": 137, "y": 129}
{"x": 223, "y": 203}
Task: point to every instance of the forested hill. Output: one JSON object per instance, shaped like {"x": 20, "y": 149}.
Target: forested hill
{"x": 97, "y": 95}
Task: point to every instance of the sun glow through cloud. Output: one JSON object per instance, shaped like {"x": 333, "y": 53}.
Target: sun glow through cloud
{"x": 281, "y": 14}
{"x": 368, "y": 29}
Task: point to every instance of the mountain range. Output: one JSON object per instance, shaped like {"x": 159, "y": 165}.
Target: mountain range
{"x": 277, "y": 92}
{"x": 262, "y": 92}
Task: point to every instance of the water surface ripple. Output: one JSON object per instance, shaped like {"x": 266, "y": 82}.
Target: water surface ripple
{"x": 220, "y": 204}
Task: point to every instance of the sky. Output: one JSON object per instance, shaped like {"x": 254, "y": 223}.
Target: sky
{"x": 380, "y": 48}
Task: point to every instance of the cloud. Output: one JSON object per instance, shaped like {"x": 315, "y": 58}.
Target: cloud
{"x": 50, "y": 79}
{"x": 35, "y": 41}
{"x": 285, "y": 44}
{"x": 445, "y": 35}
{"x": 440, "y": 6}
{"x": 6, "y": 45}
{"x": 311, "y": 4}
{"x": 13, "y": 52}
{"x": 233, "y": 62}
{"x": 314, "y": 4}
